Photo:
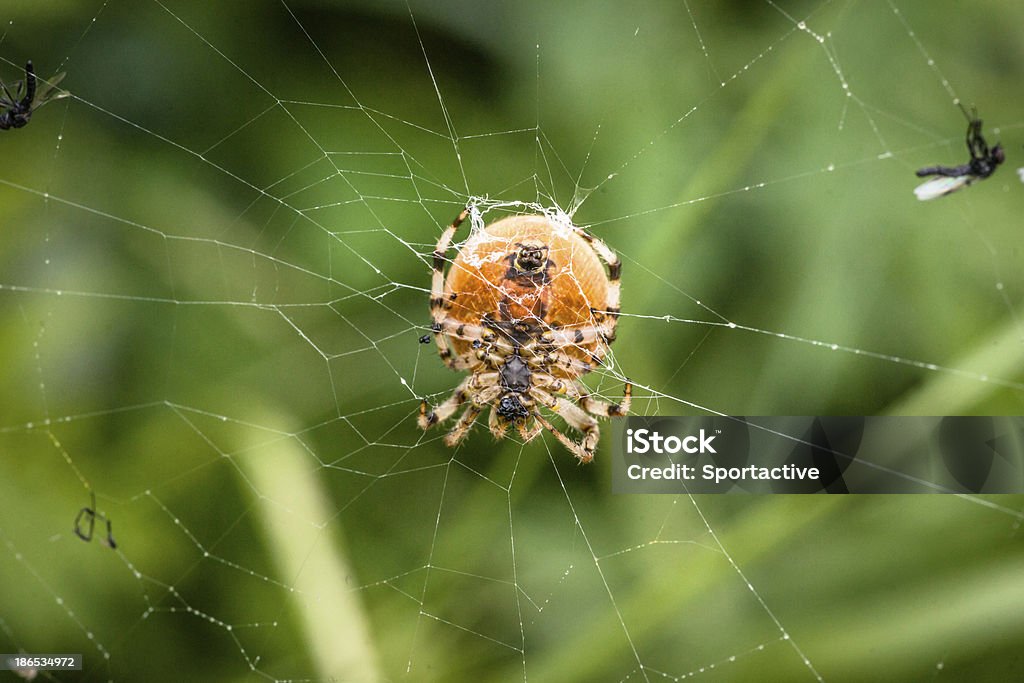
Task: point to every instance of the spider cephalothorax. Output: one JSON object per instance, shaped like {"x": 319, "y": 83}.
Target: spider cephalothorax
{"x": 527, "y": 308}
{"x": 530, "y": 263}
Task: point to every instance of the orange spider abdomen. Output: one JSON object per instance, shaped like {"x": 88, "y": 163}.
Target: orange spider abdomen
{"x": 530, "y": 272}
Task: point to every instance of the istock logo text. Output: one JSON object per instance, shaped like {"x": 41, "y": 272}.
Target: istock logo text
{"x": 647, "y": 441}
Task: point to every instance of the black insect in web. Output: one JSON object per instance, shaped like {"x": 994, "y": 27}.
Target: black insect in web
{"x": 85, "y": 523}
{"x": 22, "y": 98}
{"x": 983, "y": 163}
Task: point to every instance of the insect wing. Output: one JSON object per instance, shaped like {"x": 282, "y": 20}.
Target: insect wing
{"x": 48, "y": 91}
{"x": 9, "y": 96}
{"x": 941, "y": 186}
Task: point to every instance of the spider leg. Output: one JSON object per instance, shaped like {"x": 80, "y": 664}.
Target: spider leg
{"x": 485, "y": 340}
{"x": 429, "y": 418}
{"x": 454, "y": 361}
{"x": 571, "y": 413}
{"x": 477, "y": 388}
{"x": 488, "y": 395}
{"x": 440, "y": 251}
{"x": 576, "y": 449}
{"x": 560, "y": 360}
{"x": 547, "y": 382}
{"x": 529, "y": 434}
{"x": 437, "y": 285}
{"x": 613, "y": 304}
{"x": 581, "y": 422}
{"x": 485, "y": 381}
{"x": 606, "y": 409}
{"x": 496, "y": 425}
{"x": 576, "y": 418}
{"x": 490, "y": 358}
{"x": 446, "y": 353}
{"x": 585, "y": 336}
{"x": 461, "y": 428}
{"x": 578, "y": 393}
{"x": 445, "y": 327}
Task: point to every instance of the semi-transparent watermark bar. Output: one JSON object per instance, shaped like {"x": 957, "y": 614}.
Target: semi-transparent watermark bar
{"x": 818, "y": 455}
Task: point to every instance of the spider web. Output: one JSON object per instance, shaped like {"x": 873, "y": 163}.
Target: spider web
{"x": 216, "y": 265}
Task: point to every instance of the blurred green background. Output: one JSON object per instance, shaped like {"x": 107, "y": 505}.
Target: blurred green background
{"x": 214, "y": 269}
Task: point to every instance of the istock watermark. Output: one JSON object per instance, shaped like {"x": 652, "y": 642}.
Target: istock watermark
{"x": 855, "y": 454}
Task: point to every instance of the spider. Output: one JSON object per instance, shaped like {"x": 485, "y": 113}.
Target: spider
{"x": 526, "y": 309}
{"x": 983, "y": 163}
{"x": 16, "y": 107}
{"x": 90, "y": 515}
